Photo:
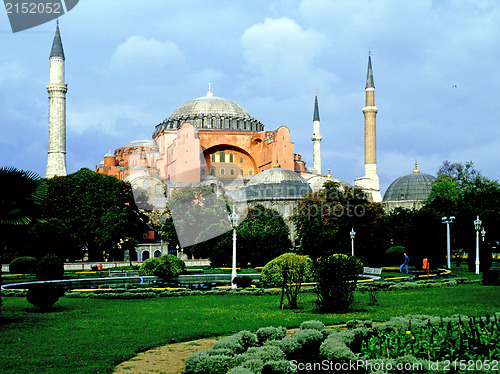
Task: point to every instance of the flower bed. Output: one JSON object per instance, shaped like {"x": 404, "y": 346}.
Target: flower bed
{"x": 413, "y": 344}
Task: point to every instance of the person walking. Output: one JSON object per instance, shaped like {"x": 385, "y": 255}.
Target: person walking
{"x": 405, "y": 264}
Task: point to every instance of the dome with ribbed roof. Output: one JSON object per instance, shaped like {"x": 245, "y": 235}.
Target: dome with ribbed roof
{"x": 211, "y": 113}
{"x": 414, "y": 186}
{"x": 276, "y": 183}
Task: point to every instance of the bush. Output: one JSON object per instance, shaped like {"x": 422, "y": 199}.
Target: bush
{"x": 44, "y": 296}
{"x": 289, "y": 271}
{"x": 165, "y": 267}
{"x": 394, "y": 254}
{"x": 491, "y": 278}
{"x": 50, "y": 267}
{"x": 270, "y": 333}
{"x": 336, "y": 277}
{"x": 23, "y": 265}
{"x": 209, "y": 363}
{"x": 243, "y": 281}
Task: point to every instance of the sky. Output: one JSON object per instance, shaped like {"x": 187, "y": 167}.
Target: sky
{"x": 130, "y": 64}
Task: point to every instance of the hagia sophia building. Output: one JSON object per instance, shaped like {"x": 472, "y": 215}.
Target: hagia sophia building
{"x": 214, "y": 141}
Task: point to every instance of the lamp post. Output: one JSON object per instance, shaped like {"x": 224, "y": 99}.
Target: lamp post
{"x": 177, "y": 249}
{"x": 161, "y": 242}
{"x": 483, "y": 233}
{"x": 233, "y": 218}
{"x": 477, "y": 226}
{"x": 353, "y": 235}
{"x": 448, "y": 220}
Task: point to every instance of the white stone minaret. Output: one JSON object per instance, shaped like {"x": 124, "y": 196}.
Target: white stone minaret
{"x": 56, "y": 161}
{"x": 316, "y": 138}
{"x": 370, "y": 181}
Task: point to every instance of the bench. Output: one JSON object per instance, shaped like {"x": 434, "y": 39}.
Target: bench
{"x": 373, "y": 271}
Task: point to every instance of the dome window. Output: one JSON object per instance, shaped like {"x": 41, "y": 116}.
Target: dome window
{"x": 231, "y": 171}
{"x": 231, "y": 157}
{"x": 241, "y": 159}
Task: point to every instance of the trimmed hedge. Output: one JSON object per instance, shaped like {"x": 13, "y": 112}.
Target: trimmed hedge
{"x": 165, "y": 267}
{"x": 50, "y": 267}
{"x": 314, "y": 344}
{"x": 23, "y": 265}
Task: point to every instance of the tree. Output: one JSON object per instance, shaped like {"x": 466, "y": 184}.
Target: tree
{"x": 288, "y": 271}
{"x": 461, "y": 191}
{"x": 165, "y": 267}
{"x": 262, "y": 236}
{"x": 336, "y": 276}
{"x": 21, "y": 193}
{"x": 99, "y": 210}
{"x": 324, "y": 220}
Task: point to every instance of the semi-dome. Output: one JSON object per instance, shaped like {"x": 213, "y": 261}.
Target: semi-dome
{"x": 276, "y": 183}
{"x": 210, "y": 112}
{"x": 414, "y": 186}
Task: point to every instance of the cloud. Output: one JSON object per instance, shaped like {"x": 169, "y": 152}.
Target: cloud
{"x": 280, "y": 53}
{"x": 139, "y": 52}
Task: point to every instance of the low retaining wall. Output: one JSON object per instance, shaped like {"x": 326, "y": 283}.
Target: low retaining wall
{"x": 107, "y": 265}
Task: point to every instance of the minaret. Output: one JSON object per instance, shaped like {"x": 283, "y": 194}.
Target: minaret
{"x": 316, "y": 138}
{"x": 56, "y": 161}
{"x": 370, "y": 182}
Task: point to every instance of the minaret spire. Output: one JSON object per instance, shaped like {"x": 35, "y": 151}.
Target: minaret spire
{"x": 316, "y": 137}
{"x": 56, "y": 160}
{"x": 370, "y": 181}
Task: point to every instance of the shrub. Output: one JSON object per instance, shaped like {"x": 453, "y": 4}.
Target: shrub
{"x": 50, "y": 267}
{"x": 237, "y": 343}
{"x": 336, "y": 277}
{"x": 394, "y": 254}
{"x": 44, "y": 296}
{"x": 167, "y": 266}
{"x": 240, "y": 370}
{"x": 314, "y": 325}
{"x": 243, "y": 281}
{"x": 289, "y": 271}
{"x": 491, "y": 278}
{"x": 270, "y": 333}
{"x": 23, "y": 265}
{"x": 310, "y": 341}
{"x": 334, "y": 349}
{"x": 208, "y": 363}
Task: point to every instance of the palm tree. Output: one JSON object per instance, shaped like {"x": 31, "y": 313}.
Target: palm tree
{"x": 20, "y": 193}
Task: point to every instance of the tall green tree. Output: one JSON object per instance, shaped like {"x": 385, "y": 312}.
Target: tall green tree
{"x": 460, "y": 190}
{"x": 325, "y": 219}
{"x": 98, "y": 210}
{"x": 261, "y": 236}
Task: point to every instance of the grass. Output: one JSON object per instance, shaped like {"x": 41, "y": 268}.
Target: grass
{"x": 94, "y": 335}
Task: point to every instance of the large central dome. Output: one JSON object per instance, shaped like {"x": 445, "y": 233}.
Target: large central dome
{"x": 211, "y": 113}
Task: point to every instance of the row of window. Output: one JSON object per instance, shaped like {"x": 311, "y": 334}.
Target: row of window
{"x": 221, "y": 157}
{"x": 222, "y": 171}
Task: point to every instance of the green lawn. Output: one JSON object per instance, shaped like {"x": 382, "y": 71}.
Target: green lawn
{"x": 93, "y": 335}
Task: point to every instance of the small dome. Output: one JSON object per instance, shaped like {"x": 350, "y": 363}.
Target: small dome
{"x": 414, "y": 186}
{"x": 317, "y": 182}
{"x": 141, "y": 143}
{"x": 277, "y": 183}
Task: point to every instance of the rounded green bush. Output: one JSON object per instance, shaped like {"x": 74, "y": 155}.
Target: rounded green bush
{"x": 50, "y": 267}
{"x": 272, "y": 275}
{"x": 165, "y": 267}
{"x": 23, "y": 265}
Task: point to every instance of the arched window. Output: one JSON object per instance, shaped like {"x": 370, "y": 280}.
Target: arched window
{"x": 241, "y": 172}
{"x": 231, "y": 157}
{"x": 212, "y": 171}
{"x": 222, "y": 171}
{"x": 158, "y": 189}
{"x": 222, "y": 156}
{"x": 241, "y": 159}
{"x": 250, "y": 171}
{"x": 203, "y": 171}
{"x": 231, "y": 171}
{"x": 212, "y": 157}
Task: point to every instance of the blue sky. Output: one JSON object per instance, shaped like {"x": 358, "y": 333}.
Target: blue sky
{"x": 129, "y": 64}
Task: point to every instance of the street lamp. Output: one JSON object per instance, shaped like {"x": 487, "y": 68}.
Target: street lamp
{"x": 161, "y": 241}
{"x": 448, "y": 220}
{"x": 233, "y": 218}
{"x": 353, "y": 234}
{"x": 477, "y": 226}
{"x": 483, "y": 233}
